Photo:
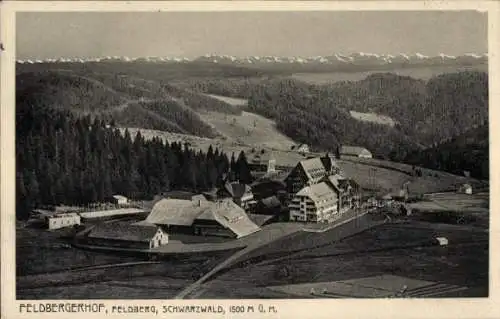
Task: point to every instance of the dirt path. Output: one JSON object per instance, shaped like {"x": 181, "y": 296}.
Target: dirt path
{"x": 279, "y": 234}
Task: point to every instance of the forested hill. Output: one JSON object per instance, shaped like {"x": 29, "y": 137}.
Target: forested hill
{"x": 122, "y": 99}
{"x": 466, "y": 152}
{"x": 63, "y": 159}
{"x": 426, "y": 112}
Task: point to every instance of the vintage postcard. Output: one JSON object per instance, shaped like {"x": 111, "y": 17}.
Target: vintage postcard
{"x": 249, "y": 159}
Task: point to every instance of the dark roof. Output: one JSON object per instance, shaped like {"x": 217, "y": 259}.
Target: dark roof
{"x": 271, "y": 202}
{"x": 313, "y": 168}
{"x": 123, "y": 231}
{"x": 259, "y": 219}
{"x": 179, "y": 194}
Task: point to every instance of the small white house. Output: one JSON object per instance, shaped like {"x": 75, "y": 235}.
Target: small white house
{"x": 63, "y": 220}
{"x": 120, "y": 200}
{"x": 442, "y": 241}
{"x": 302, "y": 148}
{"x": 465, "y": 189}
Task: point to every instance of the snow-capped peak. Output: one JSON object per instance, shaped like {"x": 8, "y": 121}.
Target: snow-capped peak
{"x": 361, "y": 58}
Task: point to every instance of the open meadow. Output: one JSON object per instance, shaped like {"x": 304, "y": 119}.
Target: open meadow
{"x": 386, "y": 249}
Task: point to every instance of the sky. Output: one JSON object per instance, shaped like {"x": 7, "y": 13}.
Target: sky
{"x": 42, "y": 35}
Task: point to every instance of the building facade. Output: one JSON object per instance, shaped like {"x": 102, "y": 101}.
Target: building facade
{"x": 63, "y": 220}
{"x": 119, "y": 200}
{"x": 317, "y": 203}
{"x": 305, "y": 173}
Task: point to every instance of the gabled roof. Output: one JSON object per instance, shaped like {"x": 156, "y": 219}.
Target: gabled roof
{"x": 313, "y": 168}
{"x": 317, "y": 192}
{"x": 119, "y": 197}
{"x": 353, "y": 150}
{"x": 231, "y": 216}
{"x": 178, "y": 212}
{"x": 123, "y": 231}
{"x": 237, "y": 190}
{"x": 184, "y": 212}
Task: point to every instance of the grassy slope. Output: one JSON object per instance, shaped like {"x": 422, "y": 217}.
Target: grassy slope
{"x": 335, "y": 260}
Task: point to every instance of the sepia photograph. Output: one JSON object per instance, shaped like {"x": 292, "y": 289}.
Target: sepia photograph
{"x": 251, "y": 155}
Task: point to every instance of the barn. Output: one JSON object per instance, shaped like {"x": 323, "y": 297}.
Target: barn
{"x": 355, "y": 151}
{"x": 125, "y": 235}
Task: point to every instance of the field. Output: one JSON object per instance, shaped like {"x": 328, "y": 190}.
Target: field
{"x": 248, "y": 129}
{"x": 384, "y": 286}
{"x": 229, "y": 100}
{"x": 389, "y": 177}
{"x": 418, "y": 73}
{"x": 47, "y": 268}
{"x": 373, "y": 118}
{"x": 402, "y": 251}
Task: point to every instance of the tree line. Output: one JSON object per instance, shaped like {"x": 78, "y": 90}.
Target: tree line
{"x": 63, "y": 159}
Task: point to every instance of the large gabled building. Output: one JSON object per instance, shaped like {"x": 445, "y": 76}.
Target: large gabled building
{"x": 317, "y": 203}
{"x": 305, "y": 173}
{"x": 220, "y": 218}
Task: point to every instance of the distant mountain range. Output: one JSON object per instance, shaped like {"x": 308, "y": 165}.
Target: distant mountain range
{"x": 357, "y": 59}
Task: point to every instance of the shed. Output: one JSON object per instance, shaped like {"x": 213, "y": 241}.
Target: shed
{"x": 122, "y": 234}
{"x": 62, "y": 220}
{"x": 465, "y": 189}
{"x": 119, "y": 199}
{"x": 442, "y": 241}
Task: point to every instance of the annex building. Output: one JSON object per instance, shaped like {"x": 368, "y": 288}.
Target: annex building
{"x": 126, "y": 235}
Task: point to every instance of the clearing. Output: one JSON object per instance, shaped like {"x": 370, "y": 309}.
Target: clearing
{"x": 402, "y": 251}
{"x": 373, "y": 118}
{"x": 229, "y": 100}
{"x": 249, "y": 129}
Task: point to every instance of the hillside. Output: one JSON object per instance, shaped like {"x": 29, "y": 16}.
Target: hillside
{"x": 124, "y": 100}
{"x": 392, "y": 115}
{"x": 424, "y": 112}
{"x": 466, "y": 152}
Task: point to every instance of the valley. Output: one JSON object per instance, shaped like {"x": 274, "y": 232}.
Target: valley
{"x": 149, "y": 128}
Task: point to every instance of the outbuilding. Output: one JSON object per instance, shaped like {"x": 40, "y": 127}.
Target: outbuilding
{"x": 119, "y": 200}
{"x": 57, "y": 221}
{"x": 356, "y": 151}
{"x": 465, "y": 189}
{"x": 125, "y": 235}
